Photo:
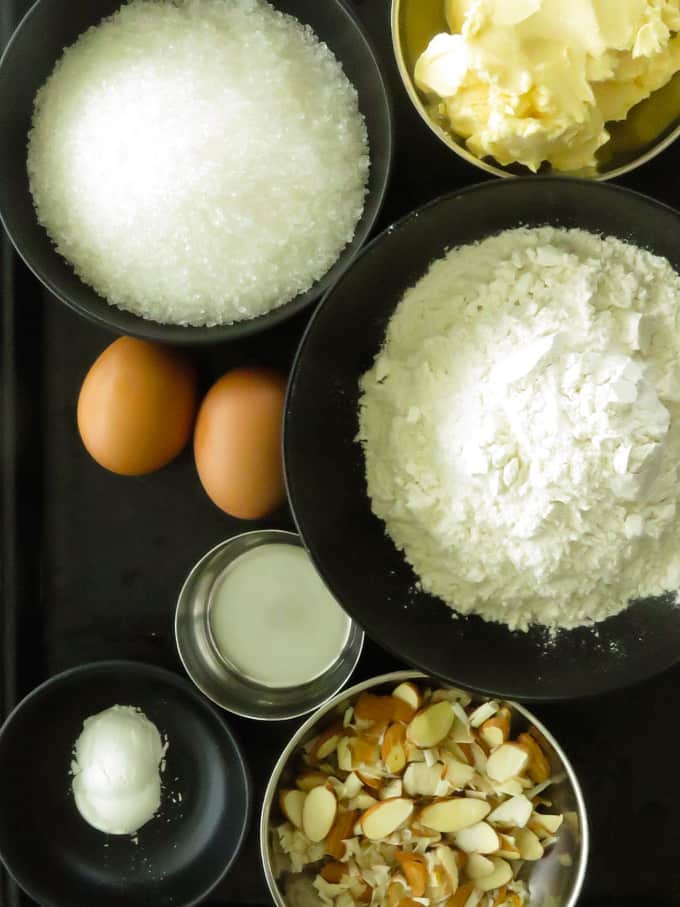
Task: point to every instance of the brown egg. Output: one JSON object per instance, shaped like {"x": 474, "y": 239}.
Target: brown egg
{"x": 237, "y": 442}
{"x": 136, "y": 407}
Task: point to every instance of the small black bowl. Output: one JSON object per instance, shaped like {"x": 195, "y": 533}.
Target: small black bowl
{"x": 325, "y": 466}
{"x": 38, "y": 42}
{"x": 180, "y": 855}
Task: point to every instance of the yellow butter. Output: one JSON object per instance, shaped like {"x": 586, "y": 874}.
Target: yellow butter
{"x": 536, "y": 80}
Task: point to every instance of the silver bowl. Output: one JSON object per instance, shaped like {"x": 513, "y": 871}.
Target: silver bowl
{"x": 623, "y": 159}
{"x": 219, "y": 680}
{"x": 556, "y": 879}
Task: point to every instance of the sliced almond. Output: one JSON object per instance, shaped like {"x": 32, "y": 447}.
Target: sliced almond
{"x": 506, "y": 762}
{"x": 431, "y": 725}
{"x": 501, "y": 875}
{"x": 513, "y": 813}
{"x": 439, "y": 884}
{"x": 448, "y": 816}
{"x": 462, "y": 896}
{"x": 341, "y": 830}
{"x": 414, "y": 753}
{"x": 362, "y": 891}
{"x": 513, "y": 787}
{"x": 375, "y": 731}
{"x": 395, "y": 892}
{"x": 362, "y": 802}
{"x": 291, "y": 802}
{"x": 478, "y": 866}
{"x": 483, "y": 712}
{"x": 422, "y": 780}
{"x": 385, "y": 817}
{"x": 369, "y": 707}
{"x": 373, "y": 782}
{"x": 318, "y": 813}
{"x": 495, "y": 731}
{"x": 477, "y": 838}
{"x": 333, "y": 872}
{"x": 326, "y": 743}
{"x": 530, "y": 848}
{"x": 538, "y": 768}
{"x": 392, "y": 789}
{"x": 344, "y": 755}
{"x": 410, "y": 694}
{"x": 364, "y": 752}
{"x": 352, "y": 787}
{"x": 308, "y": 780}
{"x": 550, "y": 823}
{"x": 414, "y": 867}
{"x": 447, "y": 858}
{"x": 393, "y": 750}
{"x": 458, "y": 773}
{"x": 508, "y": 849}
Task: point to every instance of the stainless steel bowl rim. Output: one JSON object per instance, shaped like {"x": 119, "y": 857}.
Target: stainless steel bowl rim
{"x": 399, "y": 677}
{"x": 266, "y": 536}
{"x": 462, "y": 151}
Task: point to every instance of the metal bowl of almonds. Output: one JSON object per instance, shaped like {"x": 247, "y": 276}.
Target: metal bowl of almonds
{"x": 402, "y": 792}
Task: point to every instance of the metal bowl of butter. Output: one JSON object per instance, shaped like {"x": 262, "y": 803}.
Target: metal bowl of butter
{"x": 649, "y": 127}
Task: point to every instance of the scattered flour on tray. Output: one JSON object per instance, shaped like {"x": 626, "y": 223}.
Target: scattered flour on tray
{"x": 521, "y": 427}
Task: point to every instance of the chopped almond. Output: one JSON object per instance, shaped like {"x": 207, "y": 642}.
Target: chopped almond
{"x": 495, "y": 731}
{"x": 333, "y": 872}
{"x": 342, "y": 829}
{"x": 291, "y": 803}
{"x": 308, "y": 780}
{"x": 538, "y": 767}
{"x": 393, "y": 750}
{"x": 326, "y": 743}
{"x": 364, "y": 752}
{"x": 460, "y": 898}
{"x": 374, "y": 708}
{"x": 415, "y": 871}
{"x": 410, "y": 694}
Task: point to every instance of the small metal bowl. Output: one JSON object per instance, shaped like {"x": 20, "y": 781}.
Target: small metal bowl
{"x": 415, "y": 22}
{"x": 556, "y": 879}
{"x": 219, "y": 680}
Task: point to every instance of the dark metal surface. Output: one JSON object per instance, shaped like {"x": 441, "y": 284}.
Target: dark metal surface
{"x": 92, "y": 563}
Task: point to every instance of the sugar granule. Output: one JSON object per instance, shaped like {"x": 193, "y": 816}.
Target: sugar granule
{"x": 198, "y": 162}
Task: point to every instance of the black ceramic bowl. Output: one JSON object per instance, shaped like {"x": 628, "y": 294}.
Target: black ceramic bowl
{"x": 30, "y": 56}
{"x": 325, "y": 468}
{"x": 181, "y": 854}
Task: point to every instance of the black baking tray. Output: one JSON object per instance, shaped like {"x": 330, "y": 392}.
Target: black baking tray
{"x": 92, "y": 563}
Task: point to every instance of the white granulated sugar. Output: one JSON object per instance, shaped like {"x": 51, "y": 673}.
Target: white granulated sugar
{"x": 199, "y": 161}
{"x": 521, "y": 428}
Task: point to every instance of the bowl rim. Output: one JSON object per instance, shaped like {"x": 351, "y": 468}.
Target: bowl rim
{"x": 399, "y": 677}
{"x": 171, "y": 678}
{"x": 114, "y": 319}
{"x": 496, "y": 169}
{"x": 284, "y": 536}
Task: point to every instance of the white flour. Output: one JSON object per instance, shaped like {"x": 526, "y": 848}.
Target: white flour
{"x": 521, "y": 427}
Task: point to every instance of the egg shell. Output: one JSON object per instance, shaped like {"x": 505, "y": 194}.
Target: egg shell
{"x": 237, "y": 442}
{"x": 136, "y": 407}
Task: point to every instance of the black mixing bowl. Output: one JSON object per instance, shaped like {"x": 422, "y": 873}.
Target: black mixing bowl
{"x": 180, "y": 855}
{"x": 325, "y": 467}
{"x": 30, "y": 56}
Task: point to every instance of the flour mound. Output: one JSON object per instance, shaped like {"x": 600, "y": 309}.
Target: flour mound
{"x": 521, "y": 428}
